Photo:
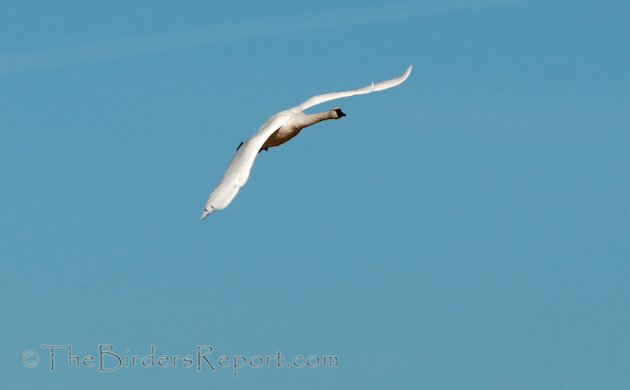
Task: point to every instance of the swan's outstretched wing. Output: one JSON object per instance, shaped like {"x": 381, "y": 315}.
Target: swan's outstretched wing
{"x": 315, "y": 100}
{"x": 237, "y": 172}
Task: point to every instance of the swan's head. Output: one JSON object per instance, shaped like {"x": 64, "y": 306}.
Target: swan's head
{"x": 336, "y": 113}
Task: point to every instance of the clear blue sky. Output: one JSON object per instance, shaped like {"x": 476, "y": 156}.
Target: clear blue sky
{"x": 469, "y": 229}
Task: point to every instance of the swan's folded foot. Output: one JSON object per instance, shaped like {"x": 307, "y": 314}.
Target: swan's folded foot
{"x": 239, "y": 146}
{"x": 261, "y": 149}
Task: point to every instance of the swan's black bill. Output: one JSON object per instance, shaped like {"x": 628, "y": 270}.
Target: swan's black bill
{"x": 339, "y": 112}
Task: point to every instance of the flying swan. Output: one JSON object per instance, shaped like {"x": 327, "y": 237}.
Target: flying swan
{"x": 279, "y": 129}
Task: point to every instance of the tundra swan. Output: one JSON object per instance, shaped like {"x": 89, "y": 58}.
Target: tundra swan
{"x": 279, "y": 129}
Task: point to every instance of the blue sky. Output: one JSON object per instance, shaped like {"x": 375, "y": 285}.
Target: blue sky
{"x": 468, "y": 229}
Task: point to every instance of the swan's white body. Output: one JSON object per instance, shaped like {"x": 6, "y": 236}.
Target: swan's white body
{"x": 287, "y": 124}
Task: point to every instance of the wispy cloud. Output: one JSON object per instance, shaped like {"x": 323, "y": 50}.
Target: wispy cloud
{"x": 103, "y": 51}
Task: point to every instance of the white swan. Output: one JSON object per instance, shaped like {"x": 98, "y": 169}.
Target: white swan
{"x": 277, "y": 130}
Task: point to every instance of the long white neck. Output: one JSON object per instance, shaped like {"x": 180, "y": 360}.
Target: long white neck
{"x": 311, "y": 119}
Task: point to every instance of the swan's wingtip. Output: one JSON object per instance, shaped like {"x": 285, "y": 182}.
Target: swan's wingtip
{"x": 207, "y": 211}
{"x": 408, "y": 72}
